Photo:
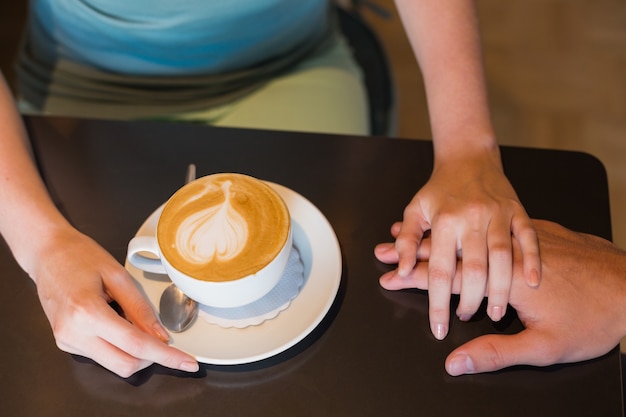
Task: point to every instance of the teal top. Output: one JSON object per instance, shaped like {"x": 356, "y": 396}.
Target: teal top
{"x": 171, "y": 37}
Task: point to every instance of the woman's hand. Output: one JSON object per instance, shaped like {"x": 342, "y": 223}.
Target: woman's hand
{"x": 468, "y": 205}
{"x": 76, "y": 280}
{"x": 471, "y": 212}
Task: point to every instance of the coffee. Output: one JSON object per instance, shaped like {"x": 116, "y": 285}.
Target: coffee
{"x": 223, "y": 227}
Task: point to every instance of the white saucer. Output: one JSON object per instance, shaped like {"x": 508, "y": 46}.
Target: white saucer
{"x": 319, "y": 248}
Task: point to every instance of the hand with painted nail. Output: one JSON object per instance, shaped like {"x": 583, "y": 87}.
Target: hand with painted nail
{"x": 471, "y": 212}
{"x": 577, "y": 313}
{"x": 76, "y": 280}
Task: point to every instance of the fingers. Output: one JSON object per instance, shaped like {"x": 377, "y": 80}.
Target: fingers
{"x": 474, "y": 270}
{"x": 487, "y": 262}
{"x": 500, "y": 267}
{"x": 395, "y": 229}
{"x": 523, "y": 230}
{"x": 409, "y": 237}
{"x": 98, "y": 332}
{"x": 441, "y": 271}
{"x": 75, "y": 286}
{"x": 493, "y": 352}
{"x": 387, "y": 253}
{"x": 418, "y": 278}
{"x": 105, "y": 354}
{"x": 136, "y": 309}
{"x": 90, "y": 344}
{"x": 131, "y": 350}
{"x": 141, "y": 345}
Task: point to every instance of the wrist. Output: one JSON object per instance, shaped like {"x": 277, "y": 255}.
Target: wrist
{"x": 484, "y": 151}
{"x": 39, "y": 240}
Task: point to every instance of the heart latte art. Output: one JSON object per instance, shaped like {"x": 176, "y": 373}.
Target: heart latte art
{"x": 223, "y": 227}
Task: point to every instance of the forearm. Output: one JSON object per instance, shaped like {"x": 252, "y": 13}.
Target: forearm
{"x": 445, "y": 39}
{"x": 27, "y": 214}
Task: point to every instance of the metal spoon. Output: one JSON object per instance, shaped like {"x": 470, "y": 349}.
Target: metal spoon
{"x": 178, "y": 311}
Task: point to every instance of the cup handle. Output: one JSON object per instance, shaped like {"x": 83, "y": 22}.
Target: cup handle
{"x": 145, "y": 244}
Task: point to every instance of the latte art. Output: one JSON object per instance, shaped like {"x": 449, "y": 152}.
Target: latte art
{"x": 217, "y": 232}
{"x": 223, "y": 227}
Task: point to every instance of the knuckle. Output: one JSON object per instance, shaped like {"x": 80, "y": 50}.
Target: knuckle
{"x": 500, "y": 253}
{"x": 410, "y": 210}
{"x": 530, "y": 241}
{"x": 142, "y": 309}
{"x": 524, "y": 229}
{"x": 125, "y": 367}
{"x": 474, "y": 270}
{"x": 438, "y": 313}
{"x": 498, "y": 295}
{"x": 76, "y": 313}
{"x": 445, "y": 220}
{"x": 475, "y": 210}
{"x": 469, "y": 303}
{"x": 439, "y": 277}
{"x": 466, "y": 308}
{"x": 134, "y": 345}
{"x": 494, "y": 357}
{"x": 414, "y": 208}
{"x": 406, "y": 243}
{"x": 170, "y": 360}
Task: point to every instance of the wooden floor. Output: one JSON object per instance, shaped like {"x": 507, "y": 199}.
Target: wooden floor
{"x": 556, "y": 73}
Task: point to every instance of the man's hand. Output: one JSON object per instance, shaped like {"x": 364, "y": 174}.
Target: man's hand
{"x": 578, "y": 312}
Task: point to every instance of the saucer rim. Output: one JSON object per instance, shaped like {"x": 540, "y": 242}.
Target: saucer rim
{"x": 208, "y": 342}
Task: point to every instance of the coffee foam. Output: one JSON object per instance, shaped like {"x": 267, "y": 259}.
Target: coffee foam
{"x": 223, "y": 227}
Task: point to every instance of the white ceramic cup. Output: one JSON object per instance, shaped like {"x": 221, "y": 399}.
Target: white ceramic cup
{"x": 145, "y": 253}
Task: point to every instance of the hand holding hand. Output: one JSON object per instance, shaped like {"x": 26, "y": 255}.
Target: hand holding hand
{"x": 472, "y": 212}
{"x": 578, "y": 312}
{"x": 76, "y": 280}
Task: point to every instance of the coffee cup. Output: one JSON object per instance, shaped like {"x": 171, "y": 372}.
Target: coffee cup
{"x": 223, "y": 239}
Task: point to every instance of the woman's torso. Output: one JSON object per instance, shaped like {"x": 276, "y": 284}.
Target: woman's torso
{"x": 171, "y": 37}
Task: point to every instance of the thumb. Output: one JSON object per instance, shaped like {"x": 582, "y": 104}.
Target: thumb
{"x": 493, "y": 352}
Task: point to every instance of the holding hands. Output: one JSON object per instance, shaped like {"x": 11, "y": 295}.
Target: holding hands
{"x": 471, "y": 212}
{"x": 468, "y": 206}
{"x": 577, "y": 313}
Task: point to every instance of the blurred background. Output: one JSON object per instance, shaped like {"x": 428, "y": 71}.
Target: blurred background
{"x": 556, "y": 72}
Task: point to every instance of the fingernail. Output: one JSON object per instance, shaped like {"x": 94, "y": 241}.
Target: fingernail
{"x": 460, "y": 364}
{"x": 496, "y": 313}
{"x": 386, "y": 281}
{"x": 405, "y": 267}
{"x": 160, "y": 332}
{"x": 440, "y": 331}
{"x": 403, "y": 272}
{"x": 534, "y": 279}
{"x": 189, "y": 366}
{"x": 383, "y": 248}
{"x": 465, "y": 317}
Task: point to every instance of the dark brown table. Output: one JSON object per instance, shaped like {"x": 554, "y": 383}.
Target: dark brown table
{"x": 373, "y": 355}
